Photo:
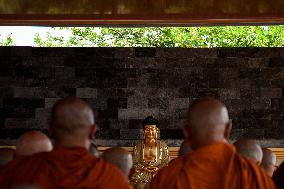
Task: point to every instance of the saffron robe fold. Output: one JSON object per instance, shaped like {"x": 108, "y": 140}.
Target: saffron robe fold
{"x": 215, "y": 166}
{"x": 63, "y": 168}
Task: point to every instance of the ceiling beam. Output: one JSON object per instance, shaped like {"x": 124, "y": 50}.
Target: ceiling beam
{"x": 141, "y": 12}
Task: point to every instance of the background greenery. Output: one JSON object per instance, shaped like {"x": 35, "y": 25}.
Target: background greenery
{"x": 6, "y": 40}
{"x": 188, "y": 37}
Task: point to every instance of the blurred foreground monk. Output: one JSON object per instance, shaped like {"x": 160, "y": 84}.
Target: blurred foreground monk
{"x": 120, "y": 158}
{"x": 213, "y": 163}
{"x": 25, "y": 187}
{"x": 250, "y": 149}
{"x": 268, "y": 161}
{"x": 185, "y": 148}
{"x": 33, "y": 142}
{"x": 6, "y": 155}
{"x": 278, "y": 176}
{"x": 69, "y": 165}
{"x": 94, "y": 150}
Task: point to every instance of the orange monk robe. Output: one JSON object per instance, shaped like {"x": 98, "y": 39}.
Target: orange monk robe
{"x": 216, "y": 166}
{"x": 64, "y": 168}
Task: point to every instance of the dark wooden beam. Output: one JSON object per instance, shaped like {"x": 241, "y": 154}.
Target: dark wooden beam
{"x": 141, "y": 12}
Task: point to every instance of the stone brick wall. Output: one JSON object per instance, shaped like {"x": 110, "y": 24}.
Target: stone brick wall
{"x": 124, "y": 85}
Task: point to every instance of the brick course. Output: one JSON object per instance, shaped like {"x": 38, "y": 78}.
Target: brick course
{"x": 124, "y": 85}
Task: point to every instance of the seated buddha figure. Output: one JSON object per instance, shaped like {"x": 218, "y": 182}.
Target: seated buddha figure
{"x": 149, "y": 155}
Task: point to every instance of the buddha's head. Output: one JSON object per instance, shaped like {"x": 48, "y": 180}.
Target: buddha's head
{"x": 150, "y": 132}
{"x": 150, "y": 128}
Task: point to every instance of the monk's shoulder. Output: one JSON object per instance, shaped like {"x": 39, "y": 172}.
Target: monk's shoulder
{"x": 258, "y": 175}
{"x": 109, "y": 172}
{"x": 19, "y": 169}
{"x": 20, "y": 162}
{"x": 171, "y": 170}
{"x": 110, "y": 167}
{"x": 176, "y": 163}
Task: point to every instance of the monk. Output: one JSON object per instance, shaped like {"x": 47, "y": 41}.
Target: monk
{"x": 70, "y": 164}
{"x": 6, "y": 155}
{"x": 24, "y": 187}
{"x": 268, "y": 162}
{"x": 94, "y": 150}
{"x": 213, "y": 163}
{"x": 278, "y": 176}
{"x": 250, "y": 149}
{"x": 33, "y": 142}
{"x": 120, "y": 158}
{"x": 185, "y": 148}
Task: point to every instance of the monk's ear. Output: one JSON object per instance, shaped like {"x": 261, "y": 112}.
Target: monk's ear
{"x": 228, "y": 129}
{"x": 93, "y": 131}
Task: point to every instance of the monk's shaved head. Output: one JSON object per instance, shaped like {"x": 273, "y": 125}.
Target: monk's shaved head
{"x": 268, "y": 162}
{"x": 208, "y": 122}
{"x": 33, "y": 142}
{"x": 249, "y": 149}
{"x": 71, "y": 114}
{"x": 120, "y": 158}
{"x": 6, "y": 155}
{"x": 72, "y": 122}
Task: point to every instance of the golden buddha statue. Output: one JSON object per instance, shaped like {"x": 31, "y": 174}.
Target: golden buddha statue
{"x": 149, "y": 155}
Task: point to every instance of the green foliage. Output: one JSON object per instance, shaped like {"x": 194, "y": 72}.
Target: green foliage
{"x": 6, "y": 40}
{"x": 188, "y": 37}
{"x": 50, "y": 41}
